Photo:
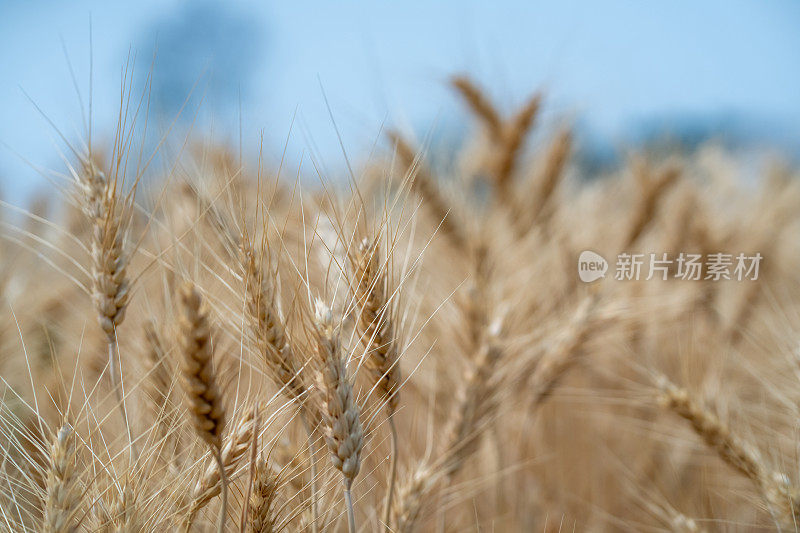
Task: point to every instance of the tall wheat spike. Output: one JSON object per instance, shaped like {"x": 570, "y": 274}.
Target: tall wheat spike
{"x": 783, "y": 498}
{"x": 263, "y": 500}
{"x": 63, "y": 491}
{"x": 344, "y": 435}
{"x": 110, "y": 286}
{"x": 424, "y": 185}
{"x": 377, "y": 330}
{"x": 199, "y": 379}
{"x": 272, "y": 341}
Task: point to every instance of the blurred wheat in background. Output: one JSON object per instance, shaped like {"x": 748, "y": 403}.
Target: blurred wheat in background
{"x": 408, "y": 350}
{"x": 196, "y": 339}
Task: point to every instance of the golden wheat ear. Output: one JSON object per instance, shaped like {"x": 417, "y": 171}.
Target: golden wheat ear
{"x": 514, "y": 135}
{"x": 378, "y": 332}
{"x": 269, "y": 330}
{"x": 425, "y": 186}
{"x": 272, "y": 341}
{"x": 109, "y": 262}
{"x": 263, "y": 500}
{"x": 343, "y": 432}
{"x": 480, "y": 105}
{"x": 109, "y": 215}
{"x": 203, "y": 397}
{"x": 774, "y": 486}
{"x": 375, "y": 322}
{"x": 63, "y": 491}
{"x": 199, "y": 379}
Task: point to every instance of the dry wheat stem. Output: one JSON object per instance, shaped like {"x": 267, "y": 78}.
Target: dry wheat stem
{"x": 344, "y": 435}
{"x": 199, "y": 380}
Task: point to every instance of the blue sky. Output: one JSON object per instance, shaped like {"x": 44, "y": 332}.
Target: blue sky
{"x": 609, "y": 65}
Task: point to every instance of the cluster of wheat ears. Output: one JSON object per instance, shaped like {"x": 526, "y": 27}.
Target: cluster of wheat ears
{"x": 408, "y": 348}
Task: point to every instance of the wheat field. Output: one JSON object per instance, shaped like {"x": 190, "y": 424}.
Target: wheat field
{"x": 218, "y": 345}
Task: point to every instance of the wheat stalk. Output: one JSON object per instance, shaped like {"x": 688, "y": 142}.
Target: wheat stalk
{"x": 202, "y": 393}
{"x": 344, "y": 435}
{"x": 110, "y": 286}
{"x": 270, "y": 333}
{"x": 377, "y": 330}
{"x": 741, "y": 456}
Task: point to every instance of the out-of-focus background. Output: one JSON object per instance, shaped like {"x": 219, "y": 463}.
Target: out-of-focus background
{"x": 624, "y": 72}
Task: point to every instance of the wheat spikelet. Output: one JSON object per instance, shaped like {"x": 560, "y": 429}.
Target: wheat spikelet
{"x": 202, "y": 393}
{"x": 474, "y": 303}
{"x": 513, "y": 138}
{"x": 124, "y": 513}
{"x": 480, "y": 105}
{"x": 109, "y": 263}
{"x": 553, "y": 365}
{"x": 234, "y": 450}
{"x": 375, "y": 322}
{"x": 425, "y": 186}
{"x": 263, "y": 500}
{"x": 344, "y": 435}
{"x": 268, "y": 328}
{"x": 476, "y": 403}
{"x": 412, "y": 498}
{"x": 650, "y": 193}
{"x": 63, "y": 492}
{"x": 713, "y": 432}
{"x": 782, "y": 497}
{"x": 269, "y": 331}
{"x": 536, "y": 205}
{"x": 377, "y": 330}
